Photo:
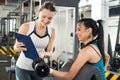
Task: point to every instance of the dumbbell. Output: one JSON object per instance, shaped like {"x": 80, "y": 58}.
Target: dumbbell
{"x": 40, "y": 67}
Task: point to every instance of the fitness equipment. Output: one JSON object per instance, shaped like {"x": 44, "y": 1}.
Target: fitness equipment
{"x": 55, "y": 64}
{"x": 87, "y": 72}
{"x": 41, "y": 68}
{"x": 117, "y": 48}
{"x": 115, "y": 62}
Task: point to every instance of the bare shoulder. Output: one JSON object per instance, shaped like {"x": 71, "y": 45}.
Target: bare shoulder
{"x": 85, "y": 51}
{"x": 24, "y": 28}
{"x": 94, "y": 48}
{"x": 88, "y": 54}
{"x": 88, "y": 51}
{"x": 83, "y": 55}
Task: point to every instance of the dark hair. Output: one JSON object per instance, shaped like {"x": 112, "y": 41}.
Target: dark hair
{"x": 48, "y": 5}
{"x": 97, "y": 32}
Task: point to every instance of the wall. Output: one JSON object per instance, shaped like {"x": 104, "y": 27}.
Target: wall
{"x": 4, "y": 10}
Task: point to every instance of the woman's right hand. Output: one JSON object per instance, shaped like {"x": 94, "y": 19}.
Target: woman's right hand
{"x": 41, "y": 54}
{"x": 19, "y": 46}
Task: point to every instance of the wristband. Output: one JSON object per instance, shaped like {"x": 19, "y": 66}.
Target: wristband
{"x": 51, "y": 70}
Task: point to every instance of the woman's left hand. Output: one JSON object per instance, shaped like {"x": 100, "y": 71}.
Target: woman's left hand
{"x": 41, "y": 54}
{"x": 47, "y": 54}
{"x": 44, "y": 54}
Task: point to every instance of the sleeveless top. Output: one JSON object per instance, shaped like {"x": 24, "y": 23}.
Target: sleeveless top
{"x": 40, "y": 43}
{"x": 99, "y": 64}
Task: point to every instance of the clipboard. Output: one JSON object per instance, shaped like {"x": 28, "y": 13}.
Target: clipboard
{"x": 31, "y": 50}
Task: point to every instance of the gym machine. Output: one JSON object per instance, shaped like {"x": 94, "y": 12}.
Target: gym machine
{"x": 8, "y": 26}
{"x": 115, "y": 61}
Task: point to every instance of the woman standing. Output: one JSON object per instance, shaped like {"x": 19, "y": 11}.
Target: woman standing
{"x": 42, "y": 36}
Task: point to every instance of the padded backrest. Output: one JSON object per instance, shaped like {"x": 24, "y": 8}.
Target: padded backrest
{"x": 87, "y": 72}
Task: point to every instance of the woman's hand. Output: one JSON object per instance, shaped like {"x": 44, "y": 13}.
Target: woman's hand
{"x": 19, "y": 46}
{"x": 48, "y": 54}
{"x": 41, "y": 54}
{"x": 44, "y": 54}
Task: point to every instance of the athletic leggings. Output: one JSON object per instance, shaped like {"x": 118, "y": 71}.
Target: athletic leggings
{"x": 22, "y": 74}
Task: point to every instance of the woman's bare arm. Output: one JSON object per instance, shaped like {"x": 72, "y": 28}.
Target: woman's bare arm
{"x": 107, "y": 59}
